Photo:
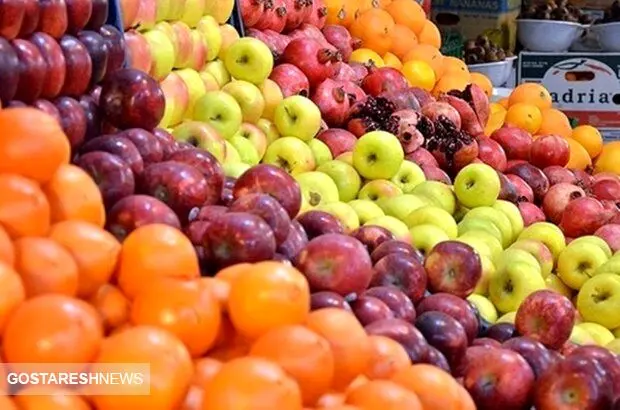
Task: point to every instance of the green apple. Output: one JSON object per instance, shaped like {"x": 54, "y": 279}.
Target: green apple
{"x": 616, "y": 332}
{"x": 221, "y": 10}
{"x": 193, "y": 11}
{"x": 614, "y": 346}
{"x": 170, "y": 108}
{"x": 425, "y": 237}
{"x": 611, "y": 266}
{"x": 508, "y": 317}
{"x": 290, "y": 154}
{"x": 598, "y": 300}
{"x": 600, "y": 242}
{"x": 477, "y": 185}
{"x": 269, "y": 129}
{"x": 401, "y": 206}
{"x": 162, "y": 9}
{"x": 460, "y": 213}
{"x": 297, "y": 116}
{"x": 249, "y": 59}
{"x": 176, "y": 10}
{"x": 378, "y": 155}
{"x": 397, "y": 227}
{"x": 513, "y": 214}
{"x": 494, "y": 245}
{"x": 321, "y": 151}
{"x": 345, "y": 214}
{"x": 578, "y": 262}
{"x": 195, "y": 86}
{"x": 497, "y": 218}
{"x": 481, "y": 225}
{"x": 538, "y": 250}
{"x": 346, "y": 178}
{"x": 549, "y": 234}
{"x": 478, "y": 244}
{"x": 272, "y": 96}
{"x": 249, "y": 98}
{"x": 580, "y": 336}
{"x": 316, "y": 189}
{"x": 232, "y": 155}
{"x": 435, "y": 216}
{"x": 217, "y": 69}
{"x": 484, "y": 306}
{"x": 253, "y": 134}
{"x": 512, "y": 283}
{"x": 366, "y": 210}
{"x": 162, "y": 52}
{"x": 409, "y": 175}
{"x": 512, "y": 255}
{"x": 201, "y": 135}
{"x": 488, "y": 270}
{"x": 247, "y": 151}
{"x": 555, "y": 284}
{"x": 235, "y": 169}
{"x": 221, "y": 111}
{"x": 379, "y": 188}
{"x": 346, "y": 157}
{"x": 600, "y": 334}
{"x": 439, "y": 193}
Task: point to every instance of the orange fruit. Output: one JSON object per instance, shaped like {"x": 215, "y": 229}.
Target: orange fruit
{"x": 94, "y": 250}
{"x": 220, "y": 289}
{"x": 72, "y": 194}
{"x": 403, "y": 40}
{"x": 230, "y": 273}
{"x": 407, "y": 13}
{"x": 52, "y": 329}
{"x": 341, "y": 12}
{"x": 374, "y": 27}
{"x": 429, "y": 54}
{"x": 24, "y": 210}
{"x": 205, "y": 368}
{"x": 365, "y": 56}
{"x": 467, "y": 403}
{"x": 155, "y": 251}
{"x": 590, "y": 138}
{"x": 435, "y": 388}
{"x": 303, "y": 354}
{"x": 503, "y": 102}
{"x": 607, "y": 161}
{"x": 348, "y": 340}
{"x": 165, "y": 302}
{"x": 430, "y": 35}
{"x": 451, "y": 82}
{"x": 387, "y": 357}
{"x": 483, "y": 82}
{"x": 391, "y": 60}
{"x": 453, "y": 65}
{"x": 47, "y": 397}
{"x": 555, "y": 122}
{"x": 330, "y": 400}
{"x": 112, "y": 306}
{"x": 525, "y": 116}
{"x": 365, "y": 5}
{"x": 32, "y": 145}
{"x": 383, "y": 395}
{"x": 45, "y": 267}
{"x": 7, "y": 250}
{"x": 170, "y": 369}
{"x": 269, "y": 295}
{"x": 497, "y": 115}
{"x": 419, "y": 74}
{"x": 531, "y": 93}
{"x": 579, "y": 157}
{"x": 252, "y": 383}
{"x": 12, "y": 293}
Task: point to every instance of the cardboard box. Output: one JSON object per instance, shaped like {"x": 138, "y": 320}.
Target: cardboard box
{"x": 460, "y": 20}
{"x": 585, "y": 86}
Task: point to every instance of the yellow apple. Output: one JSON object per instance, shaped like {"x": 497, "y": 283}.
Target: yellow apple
{"x": 316, "y": 189}
{"x": 397, "y": 227}
{"x": 425, "y": 237}
{"x": 549, "y": 234}
{"x": 269, "y": 129}
{"x": 485, "y": 308}
{"x": 220, "y": 9}
{"x": 555, "y": 283}
{"x": 401, "y": 206}
{"x": 345, "y": 214}
{"x": 249, "y": 98}
{"x": 193, "y": 11}
{"x": 195, "y": 86}
{"x": 514, "y": 215}
{"x": 581, "y": 336}
{"x": 497, "y": 218}
{"x": 578, "y": 262}
{"x": 366, "y": 210}
{"x": 600, "y": 334}
{"x": 210, "y": 30}
{"x": 439, "y": 193}
{"x": 177, "y": 98}
{"x": 162, "y": 50}
{"x": 598, "y": 300}
{"x": 209, "y": 80}
{"x": 512, "y": 255}
{"x": 217, "y": 69}
{"x": 232, "y": 155}
{"x": 594, "y": 240}
{"x": 513, "y": 282}
{"x": 228, "y": 35}
{"x": 538, "y": 250}
{"x": 491, "y": 241}
{"x": 488, "y": 270}
{"x": 508, "y": 317}
{"x": 272, "y": 96}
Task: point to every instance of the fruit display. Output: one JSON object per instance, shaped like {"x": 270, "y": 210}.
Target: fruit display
{"x": 612, "y": 14}
{"x": 482, "y": 50}
{"x": 558, "y": 10}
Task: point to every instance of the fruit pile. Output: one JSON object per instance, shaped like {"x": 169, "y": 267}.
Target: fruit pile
{"x": 558, "y": 10}
{"x": 482, "y": 50}
{"x": 612, "y": 14}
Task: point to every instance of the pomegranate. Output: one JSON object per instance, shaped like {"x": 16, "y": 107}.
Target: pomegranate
{"x": 344, "y": 72}
{"x": 533, "y": 176}
{"x": 436, "y": 174}
{"x": 583, "y": 216}
{"x": 491, "y": 153}
{"x": 557, "y": 198}
{"x": 423, "y": 96}
{"x": 611, "y": 234}
{"x": 266, "y": 38}
{"x": 361, "y": 126}
{"x": 403, "y": 99}
{"x": 557, "y": 174}
{"x": 423, "y": 158}
{"x": 530, "y": 213}
{"x": 339, "y": 37}
{"x": 436, "y": 109}
{"x": 280, "y": 41}
{"x": 316, "y": 62}
{"x": 469, "y": 120}
{"x": 354, "y": 92}
{"x": 606, "y": 189}
{"x": 251, "y": 11}
{"x": 338, "y": 140}
{"x": 360, "y": 69}
{"x": 508, "y": 191}
{"x": 605, "y": 175}
{"x": 473, "y": 106}
{"x": 516, "y": 142}
{"x": 291, "y": 80}
{"x": 524, "y": 191}
{"x": 549, "y": 150}
{"x": 452, "y": 148}
{"x": 333, "y": 101}
{"x": 318, "y": 15}
{"x": 384, "y": 79}
{"x": 296, "y": 11}
{"x": 309, "y": 31}
{"x": 274, "y": 17}
{"x": 584, "y": 179}
{"x": 404, "y": 125}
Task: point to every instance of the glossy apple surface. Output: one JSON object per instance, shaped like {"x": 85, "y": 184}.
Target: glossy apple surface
{"x": 111, "y": 174}
{"x": 135, "y": 211}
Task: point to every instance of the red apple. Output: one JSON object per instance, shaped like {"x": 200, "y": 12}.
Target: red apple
{"x": 452, "y": 306}
{"x": 207, "y": 213}
{"x": 488, "y": 342}
{"x": 491, "y": 153}
{"x": 368, "y": 310}
{"x": 583, "y": 216}
{"x": 534, "y": 352}
{"x": 78, "y": 14}
{"x": 317, "y": 223}
{"x": 270, "y": 180}
{"x": 445, "y": 334}
{"x": 120, "y": 146}
{"x": 501, "y": 332}
{"x": 549, "y": 150}
{"x": 116, "y": 47}
{"x": 405, "y": 334}
{"x": 436, "y": 174}
{"x": 110, "y": 173}
{"x": 207, "y": 164}
{"x": 372, "y": 236}
{"x": 325, "y": 299}
{"x": 130, "y": 12}
{"x": 79, "y": 66}
{"x": 269, "y": 209}
{"x": 497, "y": 378}
{"x": 53, "y": 17}
{"x": 400, "y": 305}
{"x": 338, "y": 140}
{"x": 610, "y": 233}
{"x": 606, "y": 189}
{"x": 167, "y": 141}
{"x": 515, "y": 141}
{"x": 608, "y": 361}
{"x": 384, "y": 79}
{"x": 533, "y": 176}
{"x": 31, "y": 17}
{"x": 48, "y": 107}
{"x": 99, "y": 14}
{"x": 99, "y": 52}
{"x": 337, "y": 263}
{"x": 11, "y": 17}
{"x": 139, "y": 54}
{"x": 395, "y": 246}
{"x": 93, "y": 119}
{"x": 530, "y": 213}
{"x": 453, "y": 267}
{"x": 73, "y": 120}
{"x": 147, "y": 144}
{"x": 135, "y": 211}
{"x": 295, "y": 241}
{"x": 557, "y": 198}
{"x": 56, "y": 65}
{"x": 404, "y": 272}
{"x": 9, "y": 71}
{"x": 423, "y": 158}
{"x": 557, "y": 174}
{"x": 32, "y": 71}
{"x": 239, "y": 237}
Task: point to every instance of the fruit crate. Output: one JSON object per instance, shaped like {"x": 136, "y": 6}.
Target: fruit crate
{"x": 114, "y": 14}
{"x": 236, "y": 20}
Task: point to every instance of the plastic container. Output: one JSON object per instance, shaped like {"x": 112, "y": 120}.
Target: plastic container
{"x": 548, "y": 35}
{"x": 608, "y": 35}
{"x": 498, "y": 72}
